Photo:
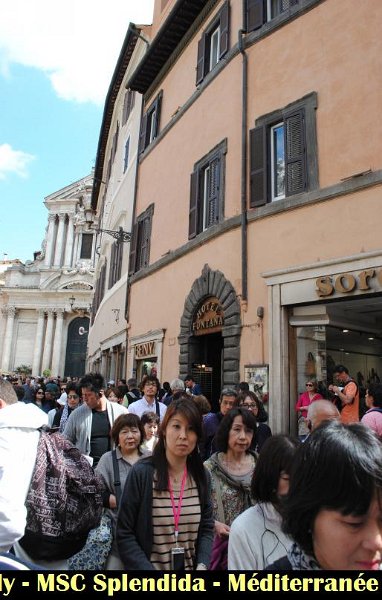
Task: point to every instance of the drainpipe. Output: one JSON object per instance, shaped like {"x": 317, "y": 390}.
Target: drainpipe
{"x": 244, "y": 111}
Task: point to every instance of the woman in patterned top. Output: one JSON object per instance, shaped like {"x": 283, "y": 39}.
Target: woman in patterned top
{"x": 166, "y": 501}
{"x": 231, "y": 473}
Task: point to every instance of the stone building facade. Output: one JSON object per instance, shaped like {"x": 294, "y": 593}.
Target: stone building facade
{"x": 45, "y": 303}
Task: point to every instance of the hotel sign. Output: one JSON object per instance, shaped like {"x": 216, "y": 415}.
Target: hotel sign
{"x": 209, "y": 317}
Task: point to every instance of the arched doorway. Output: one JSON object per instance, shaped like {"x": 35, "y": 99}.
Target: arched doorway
{"x": 75, "y": 361}
{"x": 210, "y": 331}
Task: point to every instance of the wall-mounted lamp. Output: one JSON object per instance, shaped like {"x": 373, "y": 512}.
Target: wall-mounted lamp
{"x": 260, "y": 312}
{"x": 120, "y": 235}
{"x": 116, "y": 314}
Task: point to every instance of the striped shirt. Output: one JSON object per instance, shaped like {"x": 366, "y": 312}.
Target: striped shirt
{"x": 163, "y": 525}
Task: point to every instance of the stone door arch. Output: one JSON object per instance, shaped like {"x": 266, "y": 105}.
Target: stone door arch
{"x": 213, "y": 283}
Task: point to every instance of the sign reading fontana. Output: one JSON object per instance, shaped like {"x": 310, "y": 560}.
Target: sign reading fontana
{"x": 209, "y": 317}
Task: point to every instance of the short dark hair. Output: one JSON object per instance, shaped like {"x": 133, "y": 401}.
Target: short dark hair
{"x": 149, "y": 379}
{"x": 243, "y": 386}
{"x": 149, "y": 417}
{"x": 202, "y": 403}
{"x": 338, "y": 467}
{"x": 341, "y": 369}
{"x": 277, "y": 454}
{"x": 126, "y": 420}
{"x": 72, "y": 387}
{"x": 225, "y": 426}
{"x": 20, "y": 392}
{"x": 93, "y": 382}
{"x": 375, "y": 391}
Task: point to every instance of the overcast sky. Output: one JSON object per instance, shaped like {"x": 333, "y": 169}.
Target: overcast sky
{"x": 56, "y": 62}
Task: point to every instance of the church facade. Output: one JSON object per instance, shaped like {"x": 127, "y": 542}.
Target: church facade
{"x": 45, "y": 303}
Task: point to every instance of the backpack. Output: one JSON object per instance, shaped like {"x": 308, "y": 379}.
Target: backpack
{"x": 64, "y": 501}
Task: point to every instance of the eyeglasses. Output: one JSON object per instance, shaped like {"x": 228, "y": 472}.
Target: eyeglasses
{"x": 309, "y": 385}
{"x": 73, "y": 396}
{"x": 254, "y": 405}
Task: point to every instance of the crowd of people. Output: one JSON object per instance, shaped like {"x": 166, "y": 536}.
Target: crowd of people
{"x": 191, "y": 489}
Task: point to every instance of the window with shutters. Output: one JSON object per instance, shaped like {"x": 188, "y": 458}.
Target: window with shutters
{"x": 258, "y": 12}
{"x": 150, "y": 124}
{"x": 99, "y": 291}
{"x": 115, "y": 263}
{"x": 207, "y": 191}
{"x": 140, "y": 241}
{"x": 128, "y": 105}
{"x": 126, "y": 157}
{"x": 283, "y": 152}
{"x": 214, "y": 43}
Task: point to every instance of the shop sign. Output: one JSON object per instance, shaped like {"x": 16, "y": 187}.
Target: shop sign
{"x": 145, "y": 349}
{"x": 209, "y": 317}
{"x": 347, "y": 282}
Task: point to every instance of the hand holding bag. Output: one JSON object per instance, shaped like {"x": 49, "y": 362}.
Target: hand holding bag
{"x": 94, "y": 554}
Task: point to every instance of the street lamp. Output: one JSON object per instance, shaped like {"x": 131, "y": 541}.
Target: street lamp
{"x": 120, "y": 235}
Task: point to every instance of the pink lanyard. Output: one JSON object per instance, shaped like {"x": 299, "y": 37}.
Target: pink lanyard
{"x": 176, "y": 509}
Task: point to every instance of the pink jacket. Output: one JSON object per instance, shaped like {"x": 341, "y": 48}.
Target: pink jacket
{"x": 304, "y": 401}
{"x": 373, "y": 419}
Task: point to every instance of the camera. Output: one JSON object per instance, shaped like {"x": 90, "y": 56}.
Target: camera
{"x": 177, "y": 559}
{"x": 340, "y": 389}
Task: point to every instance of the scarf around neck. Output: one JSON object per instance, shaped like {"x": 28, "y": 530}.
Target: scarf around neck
{"x": 301, "y": 561}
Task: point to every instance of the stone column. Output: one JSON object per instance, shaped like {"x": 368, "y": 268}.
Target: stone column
{"x": 75, "y": 247}
{"x": 10, "y": 311}
{"x": 50, "y": 237}
{"x": 56, "y": 360}
{"x": 38, "y": 343}
{"x": 46, "y": 358}
{"x": 69, "y": 242}
{"x": 113, "y": 364}
{"x": 59, "y": 240}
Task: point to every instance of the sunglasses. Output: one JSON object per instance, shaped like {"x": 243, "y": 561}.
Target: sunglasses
{"x": 74, "y": 396}
{"x": 309, "y": 385}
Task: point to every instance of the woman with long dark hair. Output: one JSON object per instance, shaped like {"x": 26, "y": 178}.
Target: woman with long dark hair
{"x": 165, "y": 519}
{"x": 333, "y": 508}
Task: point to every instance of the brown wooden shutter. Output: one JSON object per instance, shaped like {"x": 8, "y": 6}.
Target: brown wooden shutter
{"x": 224, "y": 29}
{"x": 145, "y": 242}
{"x": 125, "y": 108}
{"x": 194, "y": 201}
{"x": 111, "y": 268}
{"x": 255, "y": 14}
{"x": 133, "y": 249}
{"x": 142, "y": 134}
{"x": 201, "y": 57}
{"x": 295, "y": 153}
{"x": 157, "y": 109}
{"x": 258, "y": 166}
{"x": 213, "y": 188}
{"x": 118, "y": 262}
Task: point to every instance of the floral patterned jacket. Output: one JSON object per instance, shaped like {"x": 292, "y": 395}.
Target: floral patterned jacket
{"x": 235, "y": 495}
